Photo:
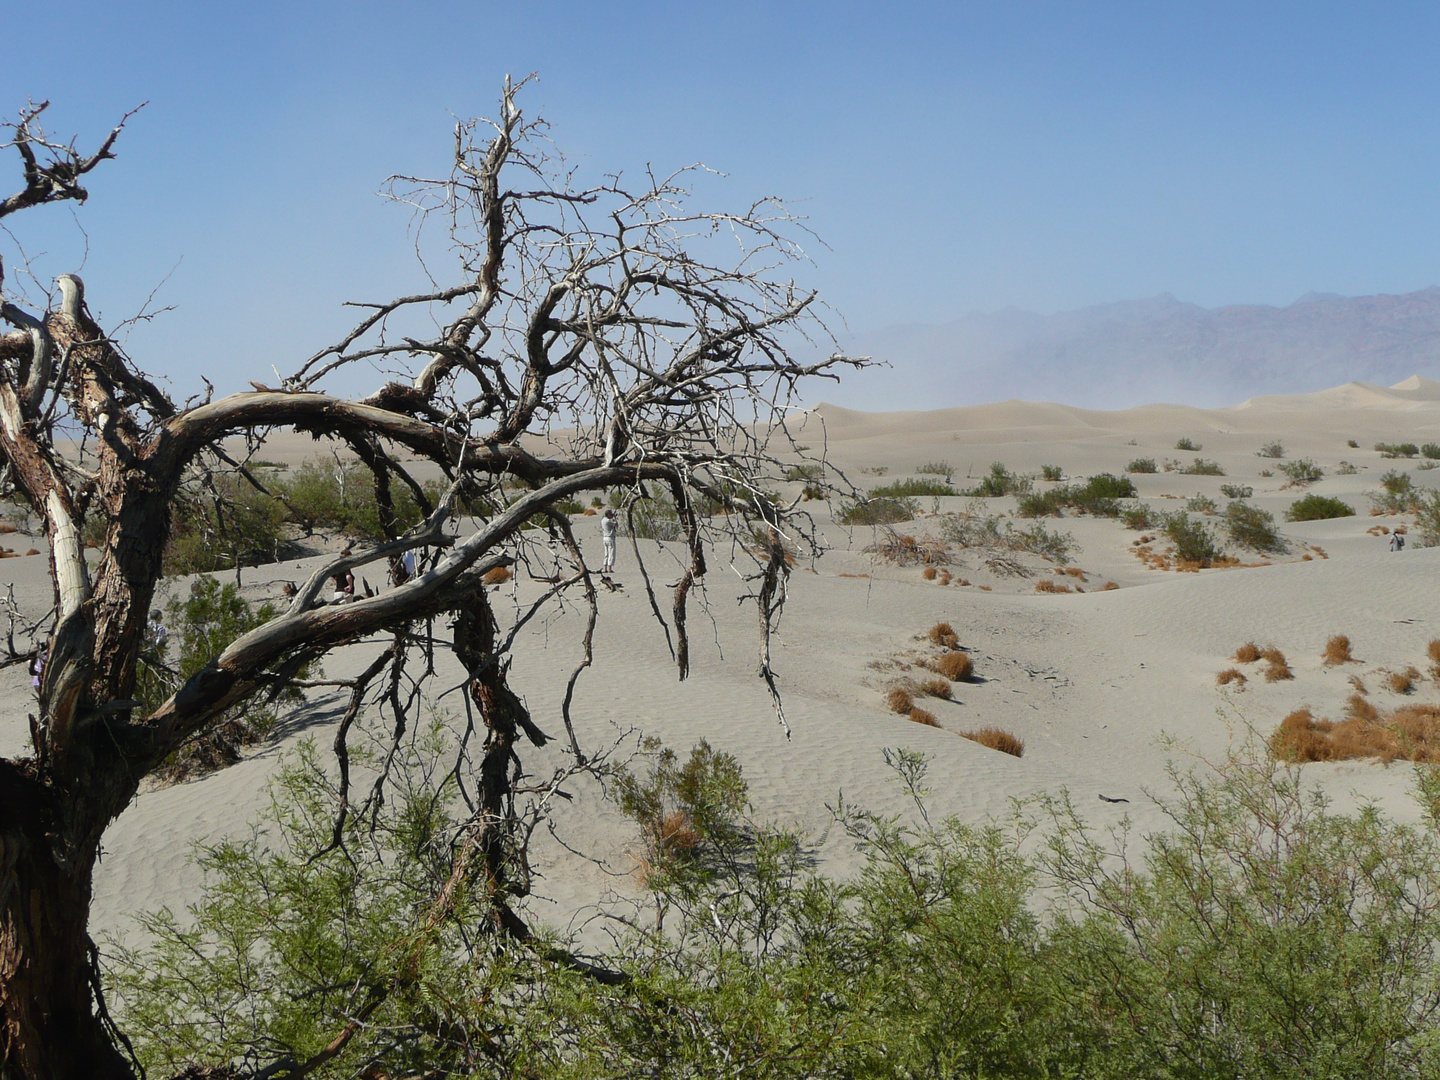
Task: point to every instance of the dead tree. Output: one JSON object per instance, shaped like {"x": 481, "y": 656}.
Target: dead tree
{"x": 597, "y": 338}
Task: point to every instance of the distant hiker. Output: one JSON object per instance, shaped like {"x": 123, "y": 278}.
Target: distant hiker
{"x": 344, "y": 582}
{"x": 37, "y": 666}
{"x": 609, "y": 525}
{"x": 156, "y": 632}
{"x": 1397, "y": 542}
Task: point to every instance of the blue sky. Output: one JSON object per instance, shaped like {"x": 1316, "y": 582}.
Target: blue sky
{"x": 955, "y": 158}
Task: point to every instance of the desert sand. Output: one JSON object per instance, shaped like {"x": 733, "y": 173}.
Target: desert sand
{"x": 1105, "y": 687}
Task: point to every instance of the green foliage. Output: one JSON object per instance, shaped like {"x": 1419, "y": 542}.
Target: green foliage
{"x": 341, "y": 496}
{"x": 910, "y": 488}
{"x": 1251, "y": 527}
{"x": 877, "y": 511}
{"x": 1346, "y": 469}
{"x": 1202, "y": 504}
{"x": 814, "y": 471}
{"x": 976, "y": 529}
{"x": 1001, "y": 481}
{"x": 1202, "y": 467}
{"x": 1141, "y": 465}
{"x": 937, "y": 468}
{"x": 1318, "y": 508}
{"x": 1188, "y": 444}
{"x": 1139, "y": 517}
{"x": 1427, "y": 520}
{"x": 224, "y": 522}
{"x": 1430, "y": 450}
{"x": 1236, "y": 491}
{"x": 1303, "y": 471}
{"x": 1398, "y": 494}
{"x": 1193, "y": 540}
{"x": 1394, "y": 450}
{"x": 1271, "y": 450}
{"x": 1051, "y": 472}
{"x": 1097, "y": 496}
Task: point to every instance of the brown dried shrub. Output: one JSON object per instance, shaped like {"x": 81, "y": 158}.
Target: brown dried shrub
{"x": 1402, "y": 682}
{"x": 944, "y": 577}
{"x": 1359, "y": 684}
{"x": 1272, "y": 654}
{"x": 1076, "y": 572}
{"x": 1048, "y": 586}
{"x": 33, "y": 551}
{"x": 928, "y": 573}
{"x": 955, "y": 665}
{"x": 900, "y": 700}
{"x": 1411, "y": 732}
{"x": 1109, "y": 585}
{"x": 1433, "y": 651}
{"x": 497, "y": 575}
{"x": 1358, "y": 708}
{"x": 1278, "y": 671}
{"x": 944, "y": 635}
{"x": 1247, "y": 653}
{"x": 1230, "y": 675}
{"x": 1337, "y": 651}
{"x": 937, "y": 688}
{"x": 996, "y": 739}
{"x": 920, "y": 716}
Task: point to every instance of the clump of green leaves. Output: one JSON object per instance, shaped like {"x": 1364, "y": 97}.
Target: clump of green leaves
{"x": 1397, "y": 494}
{"x": 937, "y": 468}
{"x": 1051, "y": 472}
{"x": 1318, "y": 508}
{"x": 1251, "y": 527}
{"x": 1397, "y": 450}
{"x": 1000, "y": 481}
{"x": 976, "y": 529}
{"x": 1187, "y": 443}
{"x": 1274, "y": 449}
{"x": 910, "y": 488}
{"x": 1236, "y": 491}
{"x": 1203, "y": 467}
{"x": 883, "y": 511}
{"x": 1303, "y": 471}
{"x": 1202, "y": 504}
{"x": 1097, "y": 496}
{"x": 1193, "y": 540}
{"x": 1141, "y": 465}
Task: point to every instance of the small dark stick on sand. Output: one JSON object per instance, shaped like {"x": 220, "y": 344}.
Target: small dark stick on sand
{"x": 1107, "y": 798}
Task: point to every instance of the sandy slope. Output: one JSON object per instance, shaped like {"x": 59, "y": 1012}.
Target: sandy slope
{"x": 1092, "y": 682}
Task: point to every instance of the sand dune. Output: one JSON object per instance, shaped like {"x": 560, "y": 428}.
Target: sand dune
{"x": 1093, "y": 682}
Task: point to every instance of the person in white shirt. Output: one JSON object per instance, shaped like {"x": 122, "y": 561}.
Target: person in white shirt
{"x": 609, "y": 526}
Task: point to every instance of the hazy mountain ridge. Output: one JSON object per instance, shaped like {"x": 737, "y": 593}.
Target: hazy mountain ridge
{"x": 1157, "y": 349}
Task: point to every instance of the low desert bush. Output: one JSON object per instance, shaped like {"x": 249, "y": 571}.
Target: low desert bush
{"x": 1203, "y": 467}
{"x": 1097, "y": 496}
{"x": 1236, "y": 491}
{"x": 1048, "y": 586}
{"x": 1358, "y": 707}
{"x": 1202, "y": 504}
{"x": 1427, "y": 520}
{"x": 937, "y": 468}
{"x": 806, "y": 472}
{"x": 903, "y": 549}
{"x": 1230, "y": 675}
{"x": 929, "y": 573}
{"x": 1411, "y": 732}
{"x": 1188, "y": 444}
{"x": 996, "y": 739}
{"x": 1141, "y": 465}
{"x": 877, "y": 511}
{"x": 937, "y": 688}
{"x": 899, "y": 699}
{"x": 943, "y": 634}
{"x": 1303, "y": 471}
{"x": 1001, "y": 481}
{"x": 1109, "y": 586}
{"x": 954, "y": 665}
{"x": 1139, "y": 517}
{"x": 1276, "y": 667}
{"x": 1337, "y": 651}
{"x": 1346, "y": 468}
{"x": 1247, "y": 653}
{"x": 1193, "y": 540}
{"x": 1051, "y": 472}
{"x": 976, "y": 529}
{"x": 1433, "y": 651}
{"x": 1431, "y": 451}
{"x": 1271, "y": 450}
{"x": 1318, "y": 508}
{"x": 1397, "y": 450}
{"x": 922, "y": 716}
{"x": 909, "y": 488}
{"x": 1401, "y": 682}
{"x": 1251, "y": 527}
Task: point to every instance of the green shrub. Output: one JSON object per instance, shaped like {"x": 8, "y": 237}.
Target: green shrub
{"x": 1236, "y": 491}
{"x": 1097, "y": 497}
{"x": 1109, "y": 486}
{"x": 1139, "y": 517}
{"x": 1141, "y": 465}
{"x": 1271, "y": 450}
{"x": 1303, "y": 471}
{"x": 1000, "y": 482}
{"x": 1051, "y": 472}
{"x": 1188, "y": 444}
{"x": 1393, "y": 450}
{"x": 1202, "y": 504}
{"x": 805, "y": 472}
{"x": 341, "y": 497}
{"x": 1427, "y": 520}
{"x": 1397, "y": 495}
{"x": 1201, "y": 467}
{"x": 1318, "y": 508}
{"x": 224, "y": 522}
{"x": 976, "y": 529}
{"x": 1193, "y": 540}
{"x": 1251, "y": 527}
{"x": 910, "y": 488}
{"x": 877, "y": 511}
{"x": 937, "y": 468}
{"x": 1346, "y": 469}
{"x": 1430, "y": 450}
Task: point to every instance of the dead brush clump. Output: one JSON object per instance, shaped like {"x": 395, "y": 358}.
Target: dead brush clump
{"x": 943, "y": 634}
{"x": 1337, "y": 651}
{"x": 497, "y": 575}
{"x": 955, "y": 665}
{"x": 1076, "y": 572}
{"x": 1231, "y": 675}
{"x": 905, "y": 550}
{"x": 1411, "y": 732}
{"x": 921, "y": 716}
{"x": 929, "y": 573}
{"x": 995, "y": 739}
{"x": 1110, "y": 586}
{"x": 1402, "y": 682}
{"x": 1247, "y": 653}
{"x": 1358, "y": 708}
{"x": 1358, "y": 684}
{"x": 945, "y": 577}
{"x": 1433, "y": 651}
{"x": 899, "y": 700}
{"x": 937, "y": 688}
{"x": 1278, "y": 672}
{"x": 1048, "y": 586}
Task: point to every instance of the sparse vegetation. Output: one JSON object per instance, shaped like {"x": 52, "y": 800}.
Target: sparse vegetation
{"x": 1427, "y": 520}
{"x": 877, "y": 511}
{"x": 1397, "y": 450}
{"x": 1397, "y": 494}
{"x": 1139, "y": 517}
{"x": 1303, "y": 471}
{"x": 1203, "y": 467}
{"x": 910, "y": 488}
{"x": 937, "y": 688}
{"x": 1411, "y": 732}
{"x": 1188, "y": 444}
{"x": 1193, "y": 540}
{"x": 1337, "y": 651}
{"x": 1401, "y": 682}
{"x": 1231, "y": 675}
{"x": 1001, "y": 481}
{"x": 918, "y": 715}
{"x": 1346, "y": 469}
{"x": 937, "y": 468}
{"x": 1430, "y": 450}
{"x": 1247, "y": 653}
{"x": 808, "y": 471}
{"x": 1253, "y": 528}
{"x": 1051, "y": 472}
{"x": 1141, "y": 465}
{"x": 1318, "y": 508}
{"x": 1097, "y": 496}
{"x": 1046, "y": 585}
{"x": 899, "y": 700}
{"x": 1202, "y": 504}
{"x": 996, "y": 739}
{"x": 1271, "y": 450}
{"x": 976, "y": 529}
{"x": 1236, "y": 491}
{"x": 955, "y": 665}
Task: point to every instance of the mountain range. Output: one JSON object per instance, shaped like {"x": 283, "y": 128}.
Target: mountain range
{"x": 1137, "y": 352}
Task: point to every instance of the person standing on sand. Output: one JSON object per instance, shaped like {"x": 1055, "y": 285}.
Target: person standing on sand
{"x": 609, "y": 525}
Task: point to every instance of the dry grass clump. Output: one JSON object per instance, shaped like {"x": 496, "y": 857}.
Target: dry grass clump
{"x": 945, "y": 577}
{"x": 1359, "y": 684}
{"x": 920, "y": 716}
{"x": 1230, "y": 675}
{"x": 1109, "y": 586}
{"x": 1247, "y": 653}
{"x": 1433, "y": 651}
{"x": 936, "y": 688}
{"x": 955, "y": 665}
{"x": 1358, "y": 708}
{"x": 905, "y": 550}
{"x": 1278, "y": 671}
{"x": 996, "y": 739}
{"x": 1048, "y": 586}
{"x": 899, "y": 700}
{"x": 1402, "y": 682}
{"x": 1075, "y": 572}
{"x": 1272, "y": 654}
{"x": 1411, "y": 732}
{"x": 497, "y": 575}
{"x": 928, "y": 573}
{"x": 1337, "y": 651}
{"x": 944, "y": 635}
